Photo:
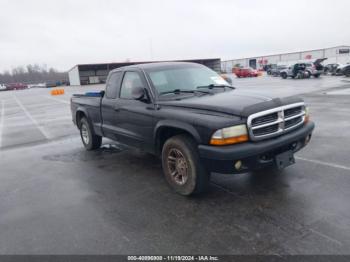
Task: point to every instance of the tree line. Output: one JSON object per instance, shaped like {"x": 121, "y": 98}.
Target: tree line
{"x": 32, "y": 74}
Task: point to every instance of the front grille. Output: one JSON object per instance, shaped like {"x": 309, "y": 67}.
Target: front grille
{"x": 265, "y": 130}
{"x": 264, "y": 119}
{"x": 292, "y": 111}
{"x": 275, "y": 121}
{"x": 293, "y": 122}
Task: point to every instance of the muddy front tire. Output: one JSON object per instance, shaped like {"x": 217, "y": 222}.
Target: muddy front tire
{"x": 182, "y": 167}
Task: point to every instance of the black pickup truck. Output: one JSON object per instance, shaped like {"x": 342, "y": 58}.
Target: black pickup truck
{"x": 194, "y": 120}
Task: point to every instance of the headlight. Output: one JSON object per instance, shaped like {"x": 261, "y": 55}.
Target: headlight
{"x": 230, "y": 135}
{"x": 307, "y": 115}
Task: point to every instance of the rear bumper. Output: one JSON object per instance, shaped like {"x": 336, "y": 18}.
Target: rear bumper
{"x": 254, "y": 155}
{"x": 317, "y": 72}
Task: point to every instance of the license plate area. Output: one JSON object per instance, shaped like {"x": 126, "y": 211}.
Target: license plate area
{"x": 284, "y": 159}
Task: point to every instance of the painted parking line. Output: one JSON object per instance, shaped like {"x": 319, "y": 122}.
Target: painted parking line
{"x": 37, "y": 125}
{"x": 323, "y": 163}
{"x": 2, "y": 120}
{"x": 58, "y": 100}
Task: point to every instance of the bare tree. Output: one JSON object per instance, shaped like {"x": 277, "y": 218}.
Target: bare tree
{"x": 32, "y": 74}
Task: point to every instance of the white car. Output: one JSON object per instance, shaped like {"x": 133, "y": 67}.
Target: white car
{"x": 2, "y": 87}
{"x": 40, "y": 85}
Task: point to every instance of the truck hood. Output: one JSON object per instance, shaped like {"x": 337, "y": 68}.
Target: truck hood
{"x": 235, "y": 102}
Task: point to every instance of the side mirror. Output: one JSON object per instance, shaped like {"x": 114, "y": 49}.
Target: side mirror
{"x": 138, "y": 93}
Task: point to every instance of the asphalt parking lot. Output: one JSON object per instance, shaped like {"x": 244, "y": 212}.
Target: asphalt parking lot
{"x": 56, "y": 198}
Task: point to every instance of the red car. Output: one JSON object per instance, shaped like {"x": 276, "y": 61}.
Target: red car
{"x": 246, "y": 72}
{"x": 16, "y": 86}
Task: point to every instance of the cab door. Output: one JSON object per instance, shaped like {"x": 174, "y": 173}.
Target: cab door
{"x": 135, "y": 123}
{"x": 109, "y": 105}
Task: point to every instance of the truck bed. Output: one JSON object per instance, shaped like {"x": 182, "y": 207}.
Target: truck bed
{"x": 91, "y": 105}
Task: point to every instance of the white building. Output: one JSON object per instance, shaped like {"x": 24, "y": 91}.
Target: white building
{"x": 97, "y": 73}
{"x": 338, "y": 54}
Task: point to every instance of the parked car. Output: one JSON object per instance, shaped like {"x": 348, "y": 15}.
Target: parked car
{"x": 346, "y": 70}
{"x": 39, "y": 85}
{"x": 16, "y": 86}
{"x": 49, "y": 84}
{"x": 246, "y": 72}
{"x": 304, "y": 69}
{"x": 331, "y": 68}
{"x": 194, "y": 120}
{"x": 277, "y": 71}
{"x": 298, "y": 70}
{"x": 343, "y": 70}
{"x": 3, "y": 87}
{"x": 269, "y": 68}
{"x": 315, "y": 68}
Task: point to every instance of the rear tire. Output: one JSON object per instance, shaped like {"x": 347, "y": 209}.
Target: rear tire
{"x": 182, "y": 166}
{"x": 90, "y": 140}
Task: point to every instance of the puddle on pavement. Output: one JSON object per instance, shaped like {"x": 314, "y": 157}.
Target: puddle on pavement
{"x": 83, "y": 155}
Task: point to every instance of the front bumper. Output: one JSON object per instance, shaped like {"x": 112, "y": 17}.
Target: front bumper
{"x": 254, "y": 155}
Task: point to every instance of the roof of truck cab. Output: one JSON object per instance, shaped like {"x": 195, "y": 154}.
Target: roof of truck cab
{"x": 157, "y": 65}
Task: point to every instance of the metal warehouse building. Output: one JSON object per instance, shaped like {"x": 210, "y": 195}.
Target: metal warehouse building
{"x": 338, "y": 54}
{"x": 97, "y": 73}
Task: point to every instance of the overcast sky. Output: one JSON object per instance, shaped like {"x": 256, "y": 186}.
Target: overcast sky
{"x": 62, "y": 33}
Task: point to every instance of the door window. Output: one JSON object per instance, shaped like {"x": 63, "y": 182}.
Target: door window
{"x": 113, "y": 85}
{"x": 130, "y": 80}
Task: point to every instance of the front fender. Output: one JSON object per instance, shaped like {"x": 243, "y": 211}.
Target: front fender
{"x": 178, "y": 125}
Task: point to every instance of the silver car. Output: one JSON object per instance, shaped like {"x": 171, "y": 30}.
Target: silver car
{"x": 304, "y": 69}
{"x": 315, "y": 68}
{"x": 2, "y": 87}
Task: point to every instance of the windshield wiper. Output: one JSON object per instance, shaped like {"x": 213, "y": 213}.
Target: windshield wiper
{"x": 179, "y": 91}
{"x": 212, "y": 86}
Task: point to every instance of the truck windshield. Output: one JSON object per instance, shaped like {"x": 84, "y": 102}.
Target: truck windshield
{"x": 165, "y": 80}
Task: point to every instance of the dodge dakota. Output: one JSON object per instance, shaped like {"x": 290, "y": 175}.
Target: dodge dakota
{"x": 194, "y": 120}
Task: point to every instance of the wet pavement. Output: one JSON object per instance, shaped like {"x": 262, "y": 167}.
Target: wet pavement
{"x": 57, "y": 198}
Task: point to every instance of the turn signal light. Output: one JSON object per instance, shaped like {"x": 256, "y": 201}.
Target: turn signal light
{"x": 307, "y": 119}
{"x": 229, "y": 140}
{"x": 307, "y": 115}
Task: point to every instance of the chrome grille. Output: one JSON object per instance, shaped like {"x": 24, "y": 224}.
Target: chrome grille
{"x": 265, "y": 130}
{"x": 292, "y": 111}
{"x": 292, "y": 122}
{"x": 265, "y": 119}
{"x": 275, "y": 121}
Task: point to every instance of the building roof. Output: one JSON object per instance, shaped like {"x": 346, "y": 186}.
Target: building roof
{"x": 113, "y": 65}
{"x": 287, "y": 53}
